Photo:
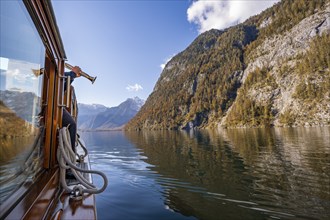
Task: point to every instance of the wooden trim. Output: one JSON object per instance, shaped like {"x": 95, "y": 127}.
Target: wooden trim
{"x": 25, "y": 204}
{"x": 46, "y": 197}
{"x": 50, "y": 70}
{"x": 43, "y": 17}
{"x": 46, "y": 200}
{"x": 57, "y": 115}
{"x": 42, "y": 14}
{"x": 54, "y": 28}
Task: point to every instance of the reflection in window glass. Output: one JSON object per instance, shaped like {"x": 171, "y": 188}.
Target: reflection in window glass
{"x": 22, "y": 56}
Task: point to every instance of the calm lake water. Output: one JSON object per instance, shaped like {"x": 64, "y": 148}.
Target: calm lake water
{"x": 231, "y": 174}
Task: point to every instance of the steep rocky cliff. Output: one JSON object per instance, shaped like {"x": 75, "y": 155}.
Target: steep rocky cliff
{"x": 272, "y": 69}
{"x": 287, "y": 78}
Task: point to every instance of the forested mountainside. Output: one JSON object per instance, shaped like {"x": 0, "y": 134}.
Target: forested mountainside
{"x": 18, "y": 114}
{"x": 273, "y": 69}
{"x": 21, "y": 103}
{"x": 12, "y": 125}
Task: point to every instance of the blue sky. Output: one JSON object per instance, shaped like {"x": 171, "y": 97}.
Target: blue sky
{"x": 126, "y": 43}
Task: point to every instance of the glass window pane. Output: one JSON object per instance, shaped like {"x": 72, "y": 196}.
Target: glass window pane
{"x": 22, "y": 55}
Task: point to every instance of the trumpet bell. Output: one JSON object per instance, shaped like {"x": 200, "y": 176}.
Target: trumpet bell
{"x": 82, "y": 73}
{"x": 92, "y": 79}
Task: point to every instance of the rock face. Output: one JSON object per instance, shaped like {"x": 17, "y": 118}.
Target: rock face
{"x": 280, "y": 55}
{"x": 272, "y": 70}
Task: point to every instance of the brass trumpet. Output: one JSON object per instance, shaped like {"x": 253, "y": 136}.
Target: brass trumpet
{"x": 92, "y": 79}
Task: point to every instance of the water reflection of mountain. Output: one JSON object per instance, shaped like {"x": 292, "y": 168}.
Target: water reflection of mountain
{"x": 20, "y": 140}
{"x": 292, "y": 166}
{"x": 286, "y": 156}
{"x": 252, "y": 173}
{"x": 199, "y": 174}
{"x": 26, "y": 105}
{"x": 17, "y": 134}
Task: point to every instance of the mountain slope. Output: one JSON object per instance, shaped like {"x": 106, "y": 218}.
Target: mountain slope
{"x": 111, "y": 118}
{"x": 252, "y": 74}
{"x": 26, "y": 105}
{"x": 87, "y": 111}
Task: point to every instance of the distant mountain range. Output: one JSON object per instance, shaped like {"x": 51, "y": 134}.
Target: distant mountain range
{"x": 19, "y": 112}
{"x": 271, "y": 70}
{"x": 100, "y": 117}
{"x": 25, "y": 105}
{"x": 17, "y": 107}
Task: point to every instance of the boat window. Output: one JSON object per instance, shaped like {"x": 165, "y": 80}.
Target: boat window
{"x": 22, "y": 55}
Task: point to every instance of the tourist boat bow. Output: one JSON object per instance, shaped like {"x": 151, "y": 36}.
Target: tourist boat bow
{"x": 32, "y": 100}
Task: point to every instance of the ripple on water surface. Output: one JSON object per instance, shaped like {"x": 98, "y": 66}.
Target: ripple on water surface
{"x": 233, "y": 174}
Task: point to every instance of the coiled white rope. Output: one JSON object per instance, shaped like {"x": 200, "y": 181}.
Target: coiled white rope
{"x": 67, "y": 159}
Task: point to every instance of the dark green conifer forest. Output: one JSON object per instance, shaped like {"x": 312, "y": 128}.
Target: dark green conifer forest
{"x": 204, "y": 85}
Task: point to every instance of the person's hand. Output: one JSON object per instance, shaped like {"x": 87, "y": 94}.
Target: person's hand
{"x": 76, "y": 70}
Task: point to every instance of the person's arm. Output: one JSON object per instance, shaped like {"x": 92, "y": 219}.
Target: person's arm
{"x": 71, "y": 74}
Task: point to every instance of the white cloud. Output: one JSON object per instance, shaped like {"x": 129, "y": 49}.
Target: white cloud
{"x": 222, "y": 14}
{"x": 4, "y": 63}
{"x": 134, "y": 88}
{"x": 165, "y": 62}
{"x": 162, "y": 66}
